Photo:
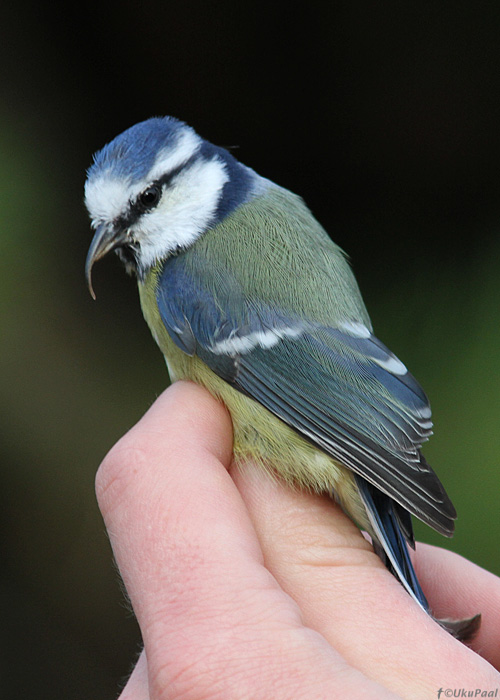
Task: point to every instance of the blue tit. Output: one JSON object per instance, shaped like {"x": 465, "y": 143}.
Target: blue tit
{"x": 246, "y": 294}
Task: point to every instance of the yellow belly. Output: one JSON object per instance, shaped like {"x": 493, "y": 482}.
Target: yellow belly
{"x": 259, "y": 435}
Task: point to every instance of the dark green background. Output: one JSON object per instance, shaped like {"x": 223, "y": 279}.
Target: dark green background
{"x": 384, "y": 116}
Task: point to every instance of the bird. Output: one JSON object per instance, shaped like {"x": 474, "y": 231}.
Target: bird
{"x": 247, "y": 295}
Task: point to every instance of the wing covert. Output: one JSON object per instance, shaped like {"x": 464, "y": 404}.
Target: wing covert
{"x": 339, "y": 387}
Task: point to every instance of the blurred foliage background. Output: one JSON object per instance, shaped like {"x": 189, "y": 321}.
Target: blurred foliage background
{"x": 383, "y": 116}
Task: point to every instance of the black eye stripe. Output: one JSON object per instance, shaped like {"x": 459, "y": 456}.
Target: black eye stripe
{"x": 137, "y": 208}
{"x": 168, "y": 177}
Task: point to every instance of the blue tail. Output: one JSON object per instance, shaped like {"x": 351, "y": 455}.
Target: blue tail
{"x": 393, "y": 532}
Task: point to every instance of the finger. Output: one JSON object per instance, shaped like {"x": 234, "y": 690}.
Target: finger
{"x": 214, "y": 621}
{"x": 137, "y": 687}
{"x": 345, "y": 593}
{"x": 457, "y": 588}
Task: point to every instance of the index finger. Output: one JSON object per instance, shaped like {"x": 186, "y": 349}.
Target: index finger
{"x": 214, "y": 620}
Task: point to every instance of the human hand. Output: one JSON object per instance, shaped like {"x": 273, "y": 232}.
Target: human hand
{"x": 244, "y": 588}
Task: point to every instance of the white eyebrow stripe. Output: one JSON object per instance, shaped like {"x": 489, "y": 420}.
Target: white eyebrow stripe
{"x": 171, "y": 158}
{"x": 108, "y": 196}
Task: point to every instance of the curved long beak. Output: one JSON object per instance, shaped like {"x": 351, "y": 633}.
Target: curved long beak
{"x": 106, "y": 238}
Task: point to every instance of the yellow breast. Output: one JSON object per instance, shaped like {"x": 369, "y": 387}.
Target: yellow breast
{"x": 259, "y": 435}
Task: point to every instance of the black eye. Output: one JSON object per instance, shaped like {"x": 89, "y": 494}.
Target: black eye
{"x": 150, "y": 197}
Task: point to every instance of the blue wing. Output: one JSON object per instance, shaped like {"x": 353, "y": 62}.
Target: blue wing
{"x": 339, "y": 387}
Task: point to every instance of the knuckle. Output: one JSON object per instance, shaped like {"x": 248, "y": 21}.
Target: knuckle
{"x": 116, "y": 471}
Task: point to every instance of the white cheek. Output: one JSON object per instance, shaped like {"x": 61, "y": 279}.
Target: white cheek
{"x": 184, "y": 212}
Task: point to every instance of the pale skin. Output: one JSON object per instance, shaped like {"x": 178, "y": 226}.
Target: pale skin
{"x": 245, "y": 589}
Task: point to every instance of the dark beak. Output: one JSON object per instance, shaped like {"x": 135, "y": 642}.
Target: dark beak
{"x": 106, "y": 238}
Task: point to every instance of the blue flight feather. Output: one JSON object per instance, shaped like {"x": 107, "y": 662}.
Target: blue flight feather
{"x": 312, "y": 382}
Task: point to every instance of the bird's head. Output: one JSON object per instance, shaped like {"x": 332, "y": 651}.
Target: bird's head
{"x": 155, "y": 189}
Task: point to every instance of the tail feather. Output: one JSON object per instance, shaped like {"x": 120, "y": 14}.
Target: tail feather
{"x": 392, "y": 533}
{"x": 403, "y": 519}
